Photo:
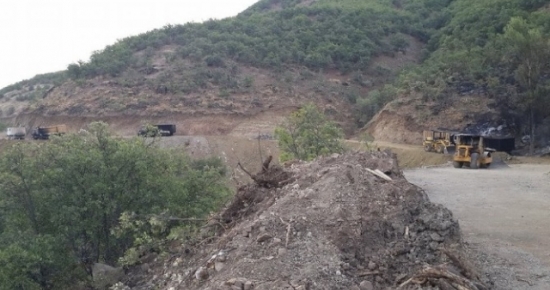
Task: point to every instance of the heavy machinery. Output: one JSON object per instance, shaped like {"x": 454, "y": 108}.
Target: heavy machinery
{"x": 471, "y": 152}
{"x": 17, "y": 133}
{"x": 437, "y": 141}
{"x": 45, "y": 132}
{"x": 157, "y": 130}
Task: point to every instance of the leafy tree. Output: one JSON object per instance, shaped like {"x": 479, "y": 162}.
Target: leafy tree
{"x": 62, "y": 200}
{"x": 528, "y": 57}
{"x": 307, "y": 134}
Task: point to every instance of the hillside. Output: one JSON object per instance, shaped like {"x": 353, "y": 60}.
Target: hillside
{"x": 419, "y": 64}
{"x": 274, "y": 56}
{"x": 479, "y": 72}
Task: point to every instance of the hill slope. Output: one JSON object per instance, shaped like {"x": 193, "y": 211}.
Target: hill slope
{"x": 274, "y": 56}
{"x": 473, "y": 75}
{"x": 349, "y": 57}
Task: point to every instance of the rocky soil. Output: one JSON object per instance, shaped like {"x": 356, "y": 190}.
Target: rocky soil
{"x": 326, "y": 224}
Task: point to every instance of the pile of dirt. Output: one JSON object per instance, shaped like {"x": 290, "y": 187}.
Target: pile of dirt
{"x": 326, "y": 224}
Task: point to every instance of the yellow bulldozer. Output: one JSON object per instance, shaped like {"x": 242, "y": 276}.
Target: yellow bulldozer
{"x": 437, "y": 141}
{"x": 471, "y": 152}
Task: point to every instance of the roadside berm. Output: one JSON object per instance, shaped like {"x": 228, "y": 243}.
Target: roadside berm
{"x": 348, "y": 221}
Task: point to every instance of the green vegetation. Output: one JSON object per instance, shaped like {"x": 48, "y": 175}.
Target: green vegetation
{"x": 344, "y": 35}
{"x": 307, "y": 134}
{"x": 55, "y": 79}
{"x": 528, "y": 53}
{"x": 81, "y": 199}
{"x": 476, "y": 53}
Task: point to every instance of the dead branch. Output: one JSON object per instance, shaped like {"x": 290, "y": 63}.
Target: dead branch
{"x": 430, "y": 272}
{"x": 246, "y": 171}
{"x": 368, "y": 273}
{"x": 260, "y": 147}
{"x": 465, "y": 269}
{"x": 288, "y": 228}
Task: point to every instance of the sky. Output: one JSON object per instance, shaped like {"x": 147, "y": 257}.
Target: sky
{"x": 42, "y": 36}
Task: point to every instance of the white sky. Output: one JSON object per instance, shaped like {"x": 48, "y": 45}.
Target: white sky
{"x": 42, "y": 36}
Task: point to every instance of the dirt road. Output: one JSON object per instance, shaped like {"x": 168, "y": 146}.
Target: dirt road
{"x": 503, "y": 213}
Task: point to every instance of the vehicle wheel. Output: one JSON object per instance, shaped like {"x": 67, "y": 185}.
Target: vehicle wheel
{"x": 474, "y": 163}
{"x": 487, "y": 165}
{"x": 440, "y": 149}
{"x": 427, "y": 148}
{"x": 457, "y": 164}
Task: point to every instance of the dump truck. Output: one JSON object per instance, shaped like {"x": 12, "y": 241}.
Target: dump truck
{"x": 17, "y": 133}
{"x": 471, "y": 152}
{"x": 157, "y": 130}
{"x": 44, "y": 133}
{"x": 437, "y": 141}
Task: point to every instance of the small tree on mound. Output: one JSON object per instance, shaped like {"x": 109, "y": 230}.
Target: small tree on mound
{"x": 307, "y": 134}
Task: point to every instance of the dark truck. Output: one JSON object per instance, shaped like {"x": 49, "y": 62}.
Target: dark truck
{"x": 45, "y": 132}
{"x": 157, "y": 130}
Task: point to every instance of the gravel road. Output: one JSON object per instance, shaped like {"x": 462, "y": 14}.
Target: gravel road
{"x": 503, "y": 213}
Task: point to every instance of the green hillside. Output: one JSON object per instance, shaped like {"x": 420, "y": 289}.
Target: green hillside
{"x": 465, "y": 52}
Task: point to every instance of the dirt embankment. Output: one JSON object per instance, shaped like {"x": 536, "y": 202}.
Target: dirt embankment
{"x": 326, "y": 224}
{"x": 404, "y": 119}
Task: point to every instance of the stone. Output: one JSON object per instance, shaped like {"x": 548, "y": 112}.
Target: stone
{"x": 263, "y": 237}
{"x": 201, "y": 273}
{"x": 366, "y": 285}
{"x": 281, "y": 251}
{"x": 248, "y": 285}
{"x": 436, "y": 237}
{"x": 372, "y": 265}
{"x": 218, "y": 266}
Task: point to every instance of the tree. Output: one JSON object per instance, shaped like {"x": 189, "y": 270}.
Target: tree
{"x": 307, "y": 134}
{"x": 528, "y": 56}
{"x": 61, "y": 201}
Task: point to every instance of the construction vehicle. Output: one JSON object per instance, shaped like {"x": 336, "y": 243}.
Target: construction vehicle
{"x": 437, "y": 141}
{"x": 471, "y": 152}
{"x": 44, "y": 133}
{"x": 17, "y": 133}
{"x": 157, "y": 130}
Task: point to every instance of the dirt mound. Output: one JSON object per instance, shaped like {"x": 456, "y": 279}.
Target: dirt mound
{"x": 329, "y": 224}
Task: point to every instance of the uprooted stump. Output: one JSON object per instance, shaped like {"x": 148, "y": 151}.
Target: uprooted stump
{"x": 269, "y": 177}
{"x": 251, "y": 194}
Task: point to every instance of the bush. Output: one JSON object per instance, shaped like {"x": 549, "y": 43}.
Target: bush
{"x": 82, "y": 188}
{"x": 307, "y": 134}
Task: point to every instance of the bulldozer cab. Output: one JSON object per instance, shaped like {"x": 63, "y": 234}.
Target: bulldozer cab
{"x": 471, "y": 152}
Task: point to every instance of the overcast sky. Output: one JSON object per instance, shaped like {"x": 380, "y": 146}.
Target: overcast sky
{"x": 41, "y": 36}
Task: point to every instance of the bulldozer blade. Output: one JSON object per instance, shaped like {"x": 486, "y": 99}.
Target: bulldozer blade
{"x": 449, "y": 150}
